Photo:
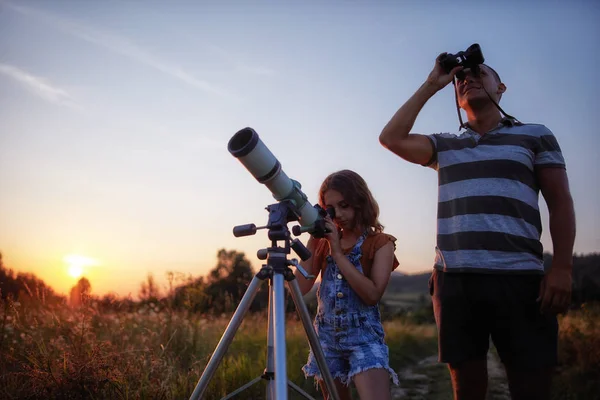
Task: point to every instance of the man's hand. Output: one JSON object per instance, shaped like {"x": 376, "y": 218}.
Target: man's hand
{"x": 438, "y": 78}
{"x": 555, "y": 290}
{"x": 396, "y": 136}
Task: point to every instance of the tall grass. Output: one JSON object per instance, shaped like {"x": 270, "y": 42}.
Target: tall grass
{"x": 52, "y": 351}
{"x": 578, "y": 376}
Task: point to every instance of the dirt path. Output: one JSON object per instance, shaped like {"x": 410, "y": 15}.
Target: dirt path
{"x": 497, "y": 384}
{"x": 430, "y": 380}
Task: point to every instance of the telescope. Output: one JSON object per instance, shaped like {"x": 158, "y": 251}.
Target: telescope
{"x": 247, "y": 147}
{"x": 292, "y": 204}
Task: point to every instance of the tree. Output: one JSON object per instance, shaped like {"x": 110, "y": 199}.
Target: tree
{"x": 149, "y": 290}
{"x": 191, "y": 296}
{"x": 228, "y": 281}
{"x": 8, "y": 283}
{"x": 25, "y": 287}
{"x": 80, "y": 293}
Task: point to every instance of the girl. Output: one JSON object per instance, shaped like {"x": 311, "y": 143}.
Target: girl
{"x": 355, "y": 261}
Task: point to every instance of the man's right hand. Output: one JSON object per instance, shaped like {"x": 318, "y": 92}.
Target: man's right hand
{"x": 396, "y": 136}
{"x": 438, "y": 78}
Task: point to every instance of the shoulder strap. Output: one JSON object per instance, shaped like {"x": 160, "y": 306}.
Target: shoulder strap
{"x": 370, "y": 246}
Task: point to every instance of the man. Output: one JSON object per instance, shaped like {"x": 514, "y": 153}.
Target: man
{"x": 488, "y": 279}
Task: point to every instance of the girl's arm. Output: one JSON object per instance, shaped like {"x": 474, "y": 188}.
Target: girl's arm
{"x": 370, "y": 289}
{"x": 307, "y": 284}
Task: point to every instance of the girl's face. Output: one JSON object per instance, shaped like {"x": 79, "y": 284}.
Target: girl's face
{"x": 344, "y": 213}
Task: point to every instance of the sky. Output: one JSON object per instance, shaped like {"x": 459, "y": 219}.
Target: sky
{"x": 115, "y": 118}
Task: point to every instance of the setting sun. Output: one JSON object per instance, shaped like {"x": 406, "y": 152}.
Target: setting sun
{"x": 77, "y": 263}
{"x": 75, "y": 271}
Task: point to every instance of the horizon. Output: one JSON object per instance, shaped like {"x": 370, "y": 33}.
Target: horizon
{"x": 163, "y": 289}
{"x": 115, "y": 118}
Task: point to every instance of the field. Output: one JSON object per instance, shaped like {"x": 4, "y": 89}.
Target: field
{"x": 154, "y": 353}
{"x": 56, "y": 352}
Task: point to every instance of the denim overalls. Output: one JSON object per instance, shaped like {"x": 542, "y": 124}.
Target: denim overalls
{"x": 350, "y": 331}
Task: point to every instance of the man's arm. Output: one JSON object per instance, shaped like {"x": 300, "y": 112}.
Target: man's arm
{"x": 396, "y": 136}
{"x": 555, "y": 293}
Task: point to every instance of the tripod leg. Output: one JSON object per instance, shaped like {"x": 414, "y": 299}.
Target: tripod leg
{"x": 227, "y": 338}
{"x": 270, "y": 370}
{"x": 279, "y": 331}
{"x": 300, "y": 391}
{"x": 241, "y": 389}
{"x": 312, "y": 337}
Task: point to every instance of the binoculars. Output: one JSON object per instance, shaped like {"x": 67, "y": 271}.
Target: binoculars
{"x": 471, "y": 58}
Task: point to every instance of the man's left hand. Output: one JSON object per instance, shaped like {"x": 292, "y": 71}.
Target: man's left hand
{"x": 555, "y": 290}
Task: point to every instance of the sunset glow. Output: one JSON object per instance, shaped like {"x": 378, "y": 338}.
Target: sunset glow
{"x": 103, "y": 179}
{"x": 77, "y": 264}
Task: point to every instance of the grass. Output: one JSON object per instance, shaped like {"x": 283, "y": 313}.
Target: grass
{"x": 52, "y": 351}
{"x": 578, "y": 375}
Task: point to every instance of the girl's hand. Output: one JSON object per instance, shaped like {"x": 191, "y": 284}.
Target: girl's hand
{"x": 333, "y": 237}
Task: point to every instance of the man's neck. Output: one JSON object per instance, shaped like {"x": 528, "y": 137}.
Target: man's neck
{"x": 484, "y": 120}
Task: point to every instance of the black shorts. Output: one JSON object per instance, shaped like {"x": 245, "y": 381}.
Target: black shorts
{"x": 470, "y": 308}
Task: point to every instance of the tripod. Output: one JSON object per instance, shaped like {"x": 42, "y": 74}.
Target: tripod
{"x": 276, "y": 271}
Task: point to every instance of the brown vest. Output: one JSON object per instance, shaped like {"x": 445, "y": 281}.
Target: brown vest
{"x": 371, "y": 244}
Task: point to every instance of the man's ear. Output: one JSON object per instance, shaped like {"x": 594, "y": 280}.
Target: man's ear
{"x": 501, "y": 88}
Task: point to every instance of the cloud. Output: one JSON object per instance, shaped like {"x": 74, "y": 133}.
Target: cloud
{"x": 39, "y": 86}
{"x": 123, "y": 46}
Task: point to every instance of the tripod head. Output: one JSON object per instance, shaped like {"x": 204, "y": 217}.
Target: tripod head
{"x": 280, "y": 214}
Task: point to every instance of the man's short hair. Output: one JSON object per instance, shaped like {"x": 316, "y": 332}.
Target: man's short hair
{"x": 495, "y": 73}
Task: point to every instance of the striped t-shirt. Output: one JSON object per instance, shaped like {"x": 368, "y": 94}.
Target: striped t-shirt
{"x": 488, "y": 218}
